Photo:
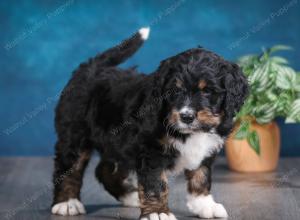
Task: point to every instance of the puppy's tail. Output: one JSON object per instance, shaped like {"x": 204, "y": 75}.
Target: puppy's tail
{"x": 124, "y": 50}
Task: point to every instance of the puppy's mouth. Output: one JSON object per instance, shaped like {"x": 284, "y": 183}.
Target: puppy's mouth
{"x": 190, "y": 128}
{"x": 193, "y": 127}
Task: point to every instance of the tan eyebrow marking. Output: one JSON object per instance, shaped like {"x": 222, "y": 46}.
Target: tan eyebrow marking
{"x": 202, "y": 84}
{"x": 179, "y": 83}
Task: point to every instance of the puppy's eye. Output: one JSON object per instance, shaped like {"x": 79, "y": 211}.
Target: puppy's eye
{"x": 205, "y": 91}
{"x": 214, "y": 97}
{"x": 180, "y": 92}
{"x": 217, "y": 97}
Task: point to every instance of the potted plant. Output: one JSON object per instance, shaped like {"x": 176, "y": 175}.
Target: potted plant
{"x": 254, "y": 144}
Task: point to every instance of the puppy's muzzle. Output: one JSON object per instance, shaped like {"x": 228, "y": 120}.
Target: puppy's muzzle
{"x": 187, "y": 118}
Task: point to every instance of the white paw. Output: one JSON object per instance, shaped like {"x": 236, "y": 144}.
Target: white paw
{"x": 206, "y": 207}
{"x": 130, "y": 199}
{"x": 71, "y": 207}
{"x": 161, "y": 216}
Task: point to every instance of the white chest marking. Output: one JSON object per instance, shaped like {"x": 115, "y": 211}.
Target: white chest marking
{"x": 196, "y": 148}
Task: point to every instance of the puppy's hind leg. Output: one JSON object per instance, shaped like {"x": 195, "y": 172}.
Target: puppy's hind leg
{"x": 119, "y": 182}
{"x": 70, "y": 163}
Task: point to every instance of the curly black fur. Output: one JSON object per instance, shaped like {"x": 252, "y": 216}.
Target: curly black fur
{"x": 124, "y": 114}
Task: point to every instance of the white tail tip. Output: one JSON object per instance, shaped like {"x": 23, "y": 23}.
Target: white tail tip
{"x": 144, "y": 32}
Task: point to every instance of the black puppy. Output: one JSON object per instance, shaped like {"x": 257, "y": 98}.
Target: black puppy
{"x": 145, "y": 126}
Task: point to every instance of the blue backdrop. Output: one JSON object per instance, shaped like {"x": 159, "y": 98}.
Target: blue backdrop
{"x": 43, "y": 41}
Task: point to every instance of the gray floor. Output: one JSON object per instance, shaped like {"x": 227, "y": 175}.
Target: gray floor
{"x": 25, "y": 192}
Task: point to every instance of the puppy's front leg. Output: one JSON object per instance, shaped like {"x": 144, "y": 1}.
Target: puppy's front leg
{"x": 199, "y": 200}
{"x": 153, "y": 194}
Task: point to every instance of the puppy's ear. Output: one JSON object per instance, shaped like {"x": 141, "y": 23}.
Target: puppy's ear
{"x": 163, "y": 76}
{"x": 237, "y": 89}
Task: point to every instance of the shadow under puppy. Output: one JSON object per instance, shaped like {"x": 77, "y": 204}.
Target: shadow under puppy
{"x": 146, "y": 126}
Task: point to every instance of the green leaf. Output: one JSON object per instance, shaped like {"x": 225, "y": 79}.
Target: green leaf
{"x": 271, "y": 96}
{"x": 260, "y": 77}
{"x": 283, "y": 103}
{"x": 243, "y": 130}
{"x": 286, "y": 77}
{"x": 264, "y": 113}
{"x": 279, "y": 60}
{"x": 264, "y": 119}
{"x": 274, "y": 87}
{"x": 297, "y": 83}
{"x": 278, "y": 48}
{"x": 253, "y": 140}
{"x": 246, "y": 109}
{"x": 247, "y": 59}
{"x": 294, "y": 114}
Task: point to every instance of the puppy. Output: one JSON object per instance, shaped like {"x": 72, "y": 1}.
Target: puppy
{"x": 145, "y": 126}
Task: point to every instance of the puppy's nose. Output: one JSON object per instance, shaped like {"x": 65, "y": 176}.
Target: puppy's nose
{"x": 187, "y": 117}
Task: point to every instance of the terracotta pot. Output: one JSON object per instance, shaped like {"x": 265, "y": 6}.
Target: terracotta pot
{"x": 242, "y": 158}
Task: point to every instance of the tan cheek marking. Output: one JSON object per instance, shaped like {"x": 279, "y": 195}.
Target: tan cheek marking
{"x": 164, "y": 141}
{"x": 207, "y": 117}
{"x": 202, "y": 84}
{"x": 174, "y": 116}
{"x": 164, "y": 177}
